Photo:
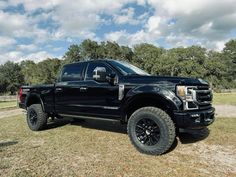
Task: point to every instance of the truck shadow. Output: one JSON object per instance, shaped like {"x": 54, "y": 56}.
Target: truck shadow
{"x": 102, "y": 125}
{"x": 89, "y": 124}
{"x": 185, "y": 136}
{"x": 189, "y": 136}
{"x": 57, "y": 123}
{"x": 193, "y": 136}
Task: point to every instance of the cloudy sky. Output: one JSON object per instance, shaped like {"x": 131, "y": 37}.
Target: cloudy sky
{"x": 37, "y": 29}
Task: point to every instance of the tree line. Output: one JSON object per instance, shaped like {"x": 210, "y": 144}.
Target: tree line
{"x": 218, "y": 68}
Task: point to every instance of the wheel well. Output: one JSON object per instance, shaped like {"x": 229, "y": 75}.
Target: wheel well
{"x": 148, "y": 101}
{"x": 33, "y": 100}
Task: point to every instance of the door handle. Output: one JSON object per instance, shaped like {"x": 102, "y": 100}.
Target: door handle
{"x": 58, "y": 89}
{"x": 83, "y": 89}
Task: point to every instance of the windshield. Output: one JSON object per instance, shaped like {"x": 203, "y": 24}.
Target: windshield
{"x": 128, "y": 69}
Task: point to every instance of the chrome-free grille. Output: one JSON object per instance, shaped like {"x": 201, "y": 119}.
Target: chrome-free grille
{"x": 204, "y": 97}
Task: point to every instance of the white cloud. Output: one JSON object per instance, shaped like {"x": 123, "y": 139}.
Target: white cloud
{"x": 18, "y": 56}
{"x": 12, "y": 56}
{"x": 3, "y": 4}
{"x": 153, "y": 23}
{"x": 184, "y": 22}
{"x": 220, "y": 45}
{"x": 197, "y": 19}
{"x": 126, "y": 17}
{"x": 125, "y": 38}
{"x": 176, "y": 22}
{"x": 37, "y": 56}
{"x": 11, "y": 23}
{"x": 6, "y": 41}
{"x": 31, "y": 5}
{"x": 29, "y": 47}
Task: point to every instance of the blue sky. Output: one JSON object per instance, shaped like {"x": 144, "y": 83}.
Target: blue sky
{"x": 40, "y": 29}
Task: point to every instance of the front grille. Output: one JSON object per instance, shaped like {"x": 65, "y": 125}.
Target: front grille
{"x": 204, "y": 97}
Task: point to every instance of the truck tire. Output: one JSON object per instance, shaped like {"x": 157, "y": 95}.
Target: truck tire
{"x": 151, "y": 130}
{"x": 36, "y": 117}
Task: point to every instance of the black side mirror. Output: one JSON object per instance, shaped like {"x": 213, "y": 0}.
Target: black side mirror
{"x": 99, "y": 74}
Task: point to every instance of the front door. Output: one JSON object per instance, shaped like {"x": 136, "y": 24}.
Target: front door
{"x": 101, "y": 97}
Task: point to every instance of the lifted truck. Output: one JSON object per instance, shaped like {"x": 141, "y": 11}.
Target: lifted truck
{"x": 154, "y": 107}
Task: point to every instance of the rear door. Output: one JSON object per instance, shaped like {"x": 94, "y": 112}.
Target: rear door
{"x": 69, "y": 90}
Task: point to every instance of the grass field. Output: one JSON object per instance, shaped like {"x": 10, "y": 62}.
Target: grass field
{"x": 103, "y": 149}
{"x": 7, "y": 104}
{"x": 224, "y": 98}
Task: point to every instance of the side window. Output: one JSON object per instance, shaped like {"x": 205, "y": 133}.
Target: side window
{"x": 92, "y": 66}
{"x": 72, "y": 72}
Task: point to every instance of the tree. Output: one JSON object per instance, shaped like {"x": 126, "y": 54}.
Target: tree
{"x": 89, "y": 49}
{"x": 11, "y": 77}
{"x": 229, "y": 58}
{"x": 146, "y": 56}
{"x": 29, "y": 70}
{"x": 48, "y": 70}
{"x": 112, "y": 50}
{"x": 126, "y": 53}
{"x": 215, "y": 70}
{"x": 73, "y": 54}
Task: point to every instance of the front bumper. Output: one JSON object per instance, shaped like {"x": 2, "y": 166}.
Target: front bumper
{"x": 194, "y": 119}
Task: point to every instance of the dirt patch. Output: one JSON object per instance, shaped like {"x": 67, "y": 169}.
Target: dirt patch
{"x": 225, "y": 110}
{"x": 210, "y": 155}
{"x": 10, "y": 113}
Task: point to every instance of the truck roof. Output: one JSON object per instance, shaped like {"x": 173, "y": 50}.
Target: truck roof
{"x": 89, "y": 61}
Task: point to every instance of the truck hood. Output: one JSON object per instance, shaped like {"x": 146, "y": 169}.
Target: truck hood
{"x": 167, "y": 81}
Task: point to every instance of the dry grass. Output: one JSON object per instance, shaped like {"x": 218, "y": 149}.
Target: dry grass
{"x": 7, "y": 104}
{"x": 224, "y": 98}
{"x": 103, "y": 149}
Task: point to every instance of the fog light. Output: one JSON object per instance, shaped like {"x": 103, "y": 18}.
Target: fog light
{"x": 195, "y": 115}
{"x": 198, "y": 120}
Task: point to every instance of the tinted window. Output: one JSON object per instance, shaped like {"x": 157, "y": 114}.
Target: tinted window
{"x": 92, "y": 66}
{"x": 72, "y": 72}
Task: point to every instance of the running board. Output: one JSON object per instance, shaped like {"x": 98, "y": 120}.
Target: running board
{"x": 89, "y": 117}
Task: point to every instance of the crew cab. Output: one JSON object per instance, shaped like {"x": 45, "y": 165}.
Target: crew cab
{"x": 153, "y": 107}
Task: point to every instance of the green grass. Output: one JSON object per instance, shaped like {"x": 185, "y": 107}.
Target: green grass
{"x": 224, "y": 98}
{"x": 99, "y": 148}
{"x": 7, "y": 104}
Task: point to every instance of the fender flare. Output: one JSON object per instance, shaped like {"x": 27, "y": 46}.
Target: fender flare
{"x": 152, "y": 91}
{"x": 29, "y": 96}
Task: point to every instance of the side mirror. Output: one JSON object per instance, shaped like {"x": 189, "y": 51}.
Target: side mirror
{"x": 99, "y": 74}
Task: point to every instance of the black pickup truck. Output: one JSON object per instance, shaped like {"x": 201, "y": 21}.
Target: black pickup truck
{"x": 154, "y": 107}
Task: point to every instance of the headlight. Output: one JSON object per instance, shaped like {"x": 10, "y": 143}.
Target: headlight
{"x": 181, "y": 91}
{"x": 186, "y": 93}
{"x": 171, "y": 96}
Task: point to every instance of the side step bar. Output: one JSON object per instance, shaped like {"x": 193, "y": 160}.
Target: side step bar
{"x": 89, "y": 117}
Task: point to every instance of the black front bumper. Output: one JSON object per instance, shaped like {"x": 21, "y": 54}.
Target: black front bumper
{"x": 194, "y": 119}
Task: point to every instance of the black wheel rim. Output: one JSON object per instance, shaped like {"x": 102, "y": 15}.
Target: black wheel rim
{"x": 147, "y": 132}
{"x": 33, "y": 117}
